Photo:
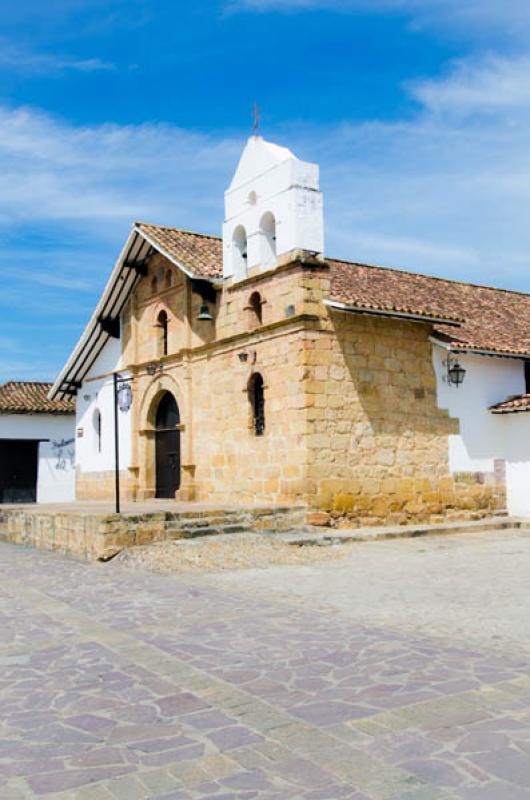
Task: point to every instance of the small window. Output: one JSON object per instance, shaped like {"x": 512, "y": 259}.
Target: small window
{"x": 162, "y": 326}
{"x": 154, "y": 285}
{"x": 255, "y": 305}
{"x": 256, "y": 398}
{"x": 168, "y": 282}
{"x": 97, "y": 430}
{"x": 527, "y": 376}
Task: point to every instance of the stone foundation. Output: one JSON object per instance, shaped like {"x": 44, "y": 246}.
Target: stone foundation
{"x": 101, "y": 536}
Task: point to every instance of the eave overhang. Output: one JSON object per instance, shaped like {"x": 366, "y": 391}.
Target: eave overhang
{"x": 391, "y": 313}
{"x": 464, "y": 349}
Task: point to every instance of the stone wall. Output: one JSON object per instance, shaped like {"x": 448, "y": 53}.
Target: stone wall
{"x": 101, "y": 485}
{"x": 102, "y": 536}
{"x": 377, "y": 441}
{"x": 352, "y": 424}
{"x": 222, "y": 460}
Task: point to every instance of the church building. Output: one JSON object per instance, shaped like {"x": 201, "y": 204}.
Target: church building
{"x": 254, "y": 368}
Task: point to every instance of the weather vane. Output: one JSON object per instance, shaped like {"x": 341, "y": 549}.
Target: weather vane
{"x": 257, "y": 119}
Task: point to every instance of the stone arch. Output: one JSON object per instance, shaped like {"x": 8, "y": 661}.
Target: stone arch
{"x": 254, "y": 310}
{"x": 155, "y": 390}
{"x": 157, "y": 310}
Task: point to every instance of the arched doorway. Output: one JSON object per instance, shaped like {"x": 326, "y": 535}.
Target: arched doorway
{"x": 167, "y": 446}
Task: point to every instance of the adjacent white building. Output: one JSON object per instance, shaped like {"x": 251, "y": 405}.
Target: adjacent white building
{"x": 494, "y": 437}
{"x": 37, "y": 445}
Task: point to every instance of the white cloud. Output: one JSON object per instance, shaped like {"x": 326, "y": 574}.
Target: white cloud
{"x": 490, "y": 85}
{"x": 53, "y": 171}
{"x": 446, "y": 193}
{"x": 510, "y": 17}
{"x": 19, "y": 59}
{"x": 399, "y": 249}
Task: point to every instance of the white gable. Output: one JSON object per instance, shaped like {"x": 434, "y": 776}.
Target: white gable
{"x": 272, "y": 206}
{"x": 258, "y": 157}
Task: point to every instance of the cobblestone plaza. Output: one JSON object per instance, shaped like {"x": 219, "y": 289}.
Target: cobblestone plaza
{"x": 258, "y": 684}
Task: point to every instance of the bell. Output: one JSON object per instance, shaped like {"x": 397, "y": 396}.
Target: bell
{"x": 204, "y": 313}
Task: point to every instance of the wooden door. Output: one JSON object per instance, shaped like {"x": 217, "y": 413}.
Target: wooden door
{"x": 18, "y": 471}
{"x": 167, "y": 447}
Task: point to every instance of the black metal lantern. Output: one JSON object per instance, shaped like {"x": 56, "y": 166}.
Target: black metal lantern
{"x": 455, "y": 373}
{"x": 124, "y": 397}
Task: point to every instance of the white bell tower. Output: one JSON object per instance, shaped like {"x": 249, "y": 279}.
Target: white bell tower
{"x": 272, "y": 206}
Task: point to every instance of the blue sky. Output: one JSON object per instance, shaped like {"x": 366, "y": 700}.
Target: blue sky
{"x": 418, "y": 112}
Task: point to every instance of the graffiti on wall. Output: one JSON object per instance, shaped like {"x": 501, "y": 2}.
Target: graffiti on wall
{"x": 64, "y": 452}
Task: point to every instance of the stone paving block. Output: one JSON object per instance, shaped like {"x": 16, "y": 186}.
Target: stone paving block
{"x": 159, "y": 780}
{"x": 217, "y": 765}
{"x": 271, "y": 751}
{"x": 98, "y": 792}
{"x": 167, "y": 757}
{"x": 232, "y": 737}
{"x": 190, "y": 772}
{"x": 73, "y": 779}
{"x": 128, "y": 788}
{"x": 302, "y": 772}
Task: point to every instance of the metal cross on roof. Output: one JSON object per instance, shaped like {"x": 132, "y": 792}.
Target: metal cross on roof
{"x": 257, "y": 119}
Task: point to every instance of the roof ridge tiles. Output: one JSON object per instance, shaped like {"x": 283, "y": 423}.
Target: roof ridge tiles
{"x": 179, "y": 230}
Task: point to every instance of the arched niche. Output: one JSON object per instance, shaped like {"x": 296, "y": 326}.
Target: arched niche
{"x": 239, "y": 251}
{"x": 268, "y": 239}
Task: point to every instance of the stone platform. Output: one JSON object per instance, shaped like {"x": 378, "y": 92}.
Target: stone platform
{"x": 91, "y": 530}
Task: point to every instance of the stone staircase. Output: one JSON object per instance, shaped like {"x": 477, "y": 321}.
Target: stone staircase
{"x": 330, "y": 536}
{"x": 189, "y": 525}
{"x": 102, "y": 535}
{"x": 96, "y": 535}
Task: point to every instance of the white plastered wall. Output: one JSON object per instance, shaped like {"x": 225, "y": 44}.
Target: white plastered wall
{"x": 517, "y": 434}
{"x": 485, "y": 437}
{"x": 271, "y": 180}
{"x": 56, "y": 468}
{"x": 97, "y": 393}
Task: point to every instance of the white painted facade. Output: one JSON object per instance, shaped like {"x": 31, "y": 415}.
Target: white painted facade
{"x": 517, "y": 433}
{"x": 95, "y": 443}
{"x": 272, "y": 206}
{"x": 484, "y": 437}
{"x": 56, "y": 457}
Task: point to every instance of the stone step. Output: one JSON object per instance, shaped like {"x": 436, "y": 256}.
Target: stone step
{"x": 329, "y": 536}
{"x": 206, "y": 530}
{"x": 204, "y": 522}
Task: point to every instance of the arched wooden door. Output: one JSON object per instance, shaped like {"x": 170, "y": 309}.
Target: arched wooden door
{"x": 167, "y": 446}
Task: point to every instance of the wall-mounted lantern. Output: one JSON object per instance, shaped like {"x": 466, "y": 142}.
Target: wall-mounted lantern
{"x": 455, "y": 372}
{"x": 243, "y": 357}
{"x": 125, "y": 396}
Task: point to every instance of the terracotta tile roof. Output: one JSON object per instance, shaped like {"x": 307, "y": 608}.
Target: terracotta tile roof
{"x": 31, "y": 397}
{"x": 381, "y": 289}
{"x": 492, "y": 319}
{"x": 489, "y": 319}
{"x": 198, "y": 253}
{"x": 517, "y": 402}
